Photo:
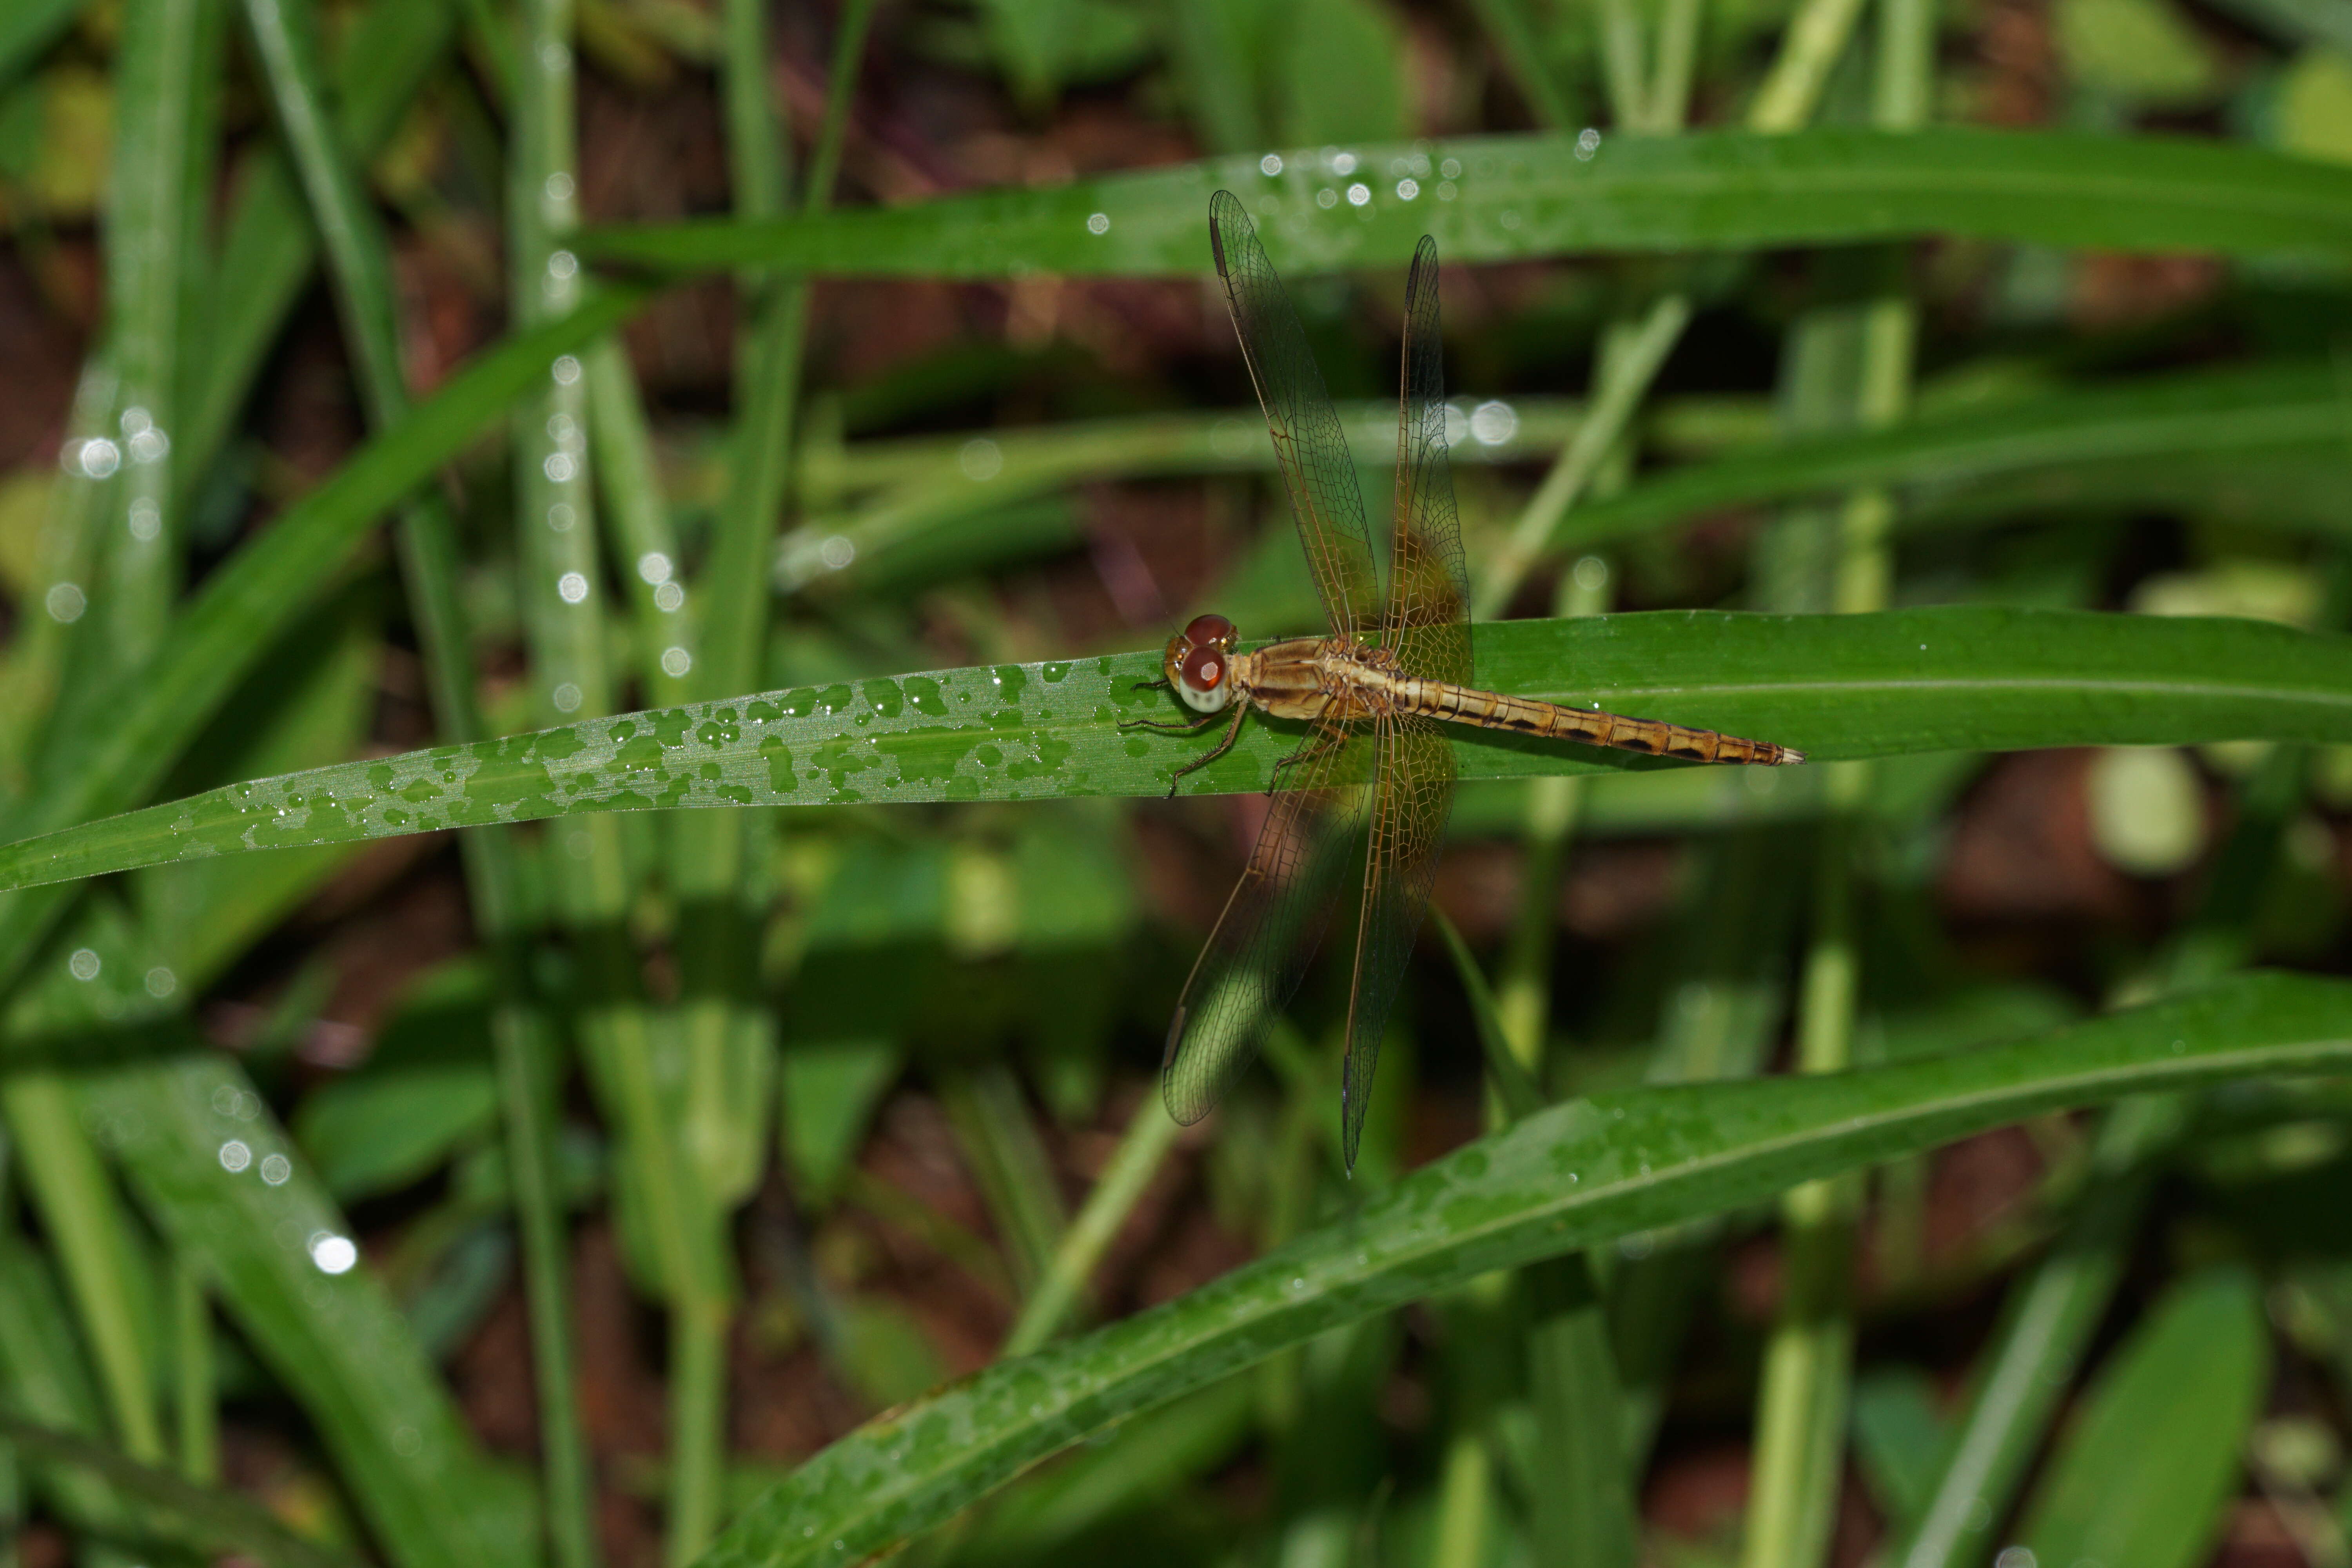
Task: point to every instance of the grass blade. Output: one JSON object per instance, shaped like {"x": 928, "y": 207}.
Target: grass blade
{"x": 213, "y": 1522}
{"x": 165, "y": 76}
{"x": 2245, "y": 416}
{"x": 1570, "y": 1177}
{"x": 1954, "y": 678}
{"x": 1520, "y": 197}
{"x": 2149, "y": 1471}
{"x": 92, "y": 1233}
{"x": 131, "y": 736}
{"x": 266, "y": 243}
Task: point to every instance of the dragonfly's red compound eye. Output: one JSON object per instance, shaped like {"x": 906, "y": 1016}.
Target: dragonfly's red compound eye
{"x": 1205, "y": 631}
{"x": 1204, "y": 668}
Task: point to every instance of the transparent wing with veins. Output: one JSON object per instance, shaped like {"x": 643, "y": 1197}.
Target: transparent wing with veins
{"x": 1307, "y": 440}
{"x": 1428, "y": 626}
{"x": 1272, "y": 923}
{"x": 1428, "y": 619}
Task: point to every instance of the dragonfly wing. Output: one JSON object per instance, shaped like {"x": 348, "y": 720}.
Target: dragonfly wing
{"x": 1271, "y": 925}
{"x": 1412, "y": 795}
{"x": 1428, "y": 621}
{"x": 1307, "y": 439}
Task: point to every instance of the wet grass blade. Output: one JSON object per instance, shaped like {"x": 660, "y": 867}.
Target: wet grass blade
{"x": 228, "y": 1192}
{"x": 157, "y": 184}
{"x": 1965, "y": 678}
{"x": 126, "y": 739}
{"x": 1520, "y": 196}
{"x": 1570, "y": 1177}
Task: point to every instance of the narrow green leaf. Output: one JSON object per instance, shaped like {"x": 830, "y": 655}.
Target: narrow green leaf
{"x": 1570, "y": 1177}
{"x": 1968, "y": 677}
{"x": 1517, "y": 196}
{"x": 283, "y": 1262}
{"x": 211, "y": 1520}
{"x": 2242, "y": 416}
{"x": 159, "y": 174}
{"x": 94, "y": 1237}
{"x": 130, "y": 737}
{"x": 1513, "y": 1086}
{"x": 229, "y": 1191}
{"x": 268, "y": 244}
{"x": 2146, "y": 1474}
{"x": 47, "y": 1380}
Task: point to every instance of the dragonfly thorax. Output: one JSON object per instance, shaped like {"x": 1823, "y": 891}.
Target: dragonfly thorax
{"x": 1199, "y": 663}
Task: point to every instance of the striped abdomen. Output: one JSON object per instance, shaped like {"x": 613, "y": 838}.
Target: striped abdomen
{"x": 1527, "y": 716}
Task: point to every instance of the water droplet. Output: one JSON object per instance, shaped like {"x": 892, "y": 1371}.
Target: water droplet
{"x": 83, "y": 965}
{"x": 234, "y": 1156}
{"x": 1343, "y": 162}
{"x": 565, "y": 370}
{"x": 407, "y": 1441}
{"x": 675, "y": 661}
{"x": 1098, "y": 223}
{"x": 557, "y": 467}
{"x": 1588, "y": 142}
{"x": 65, "y": 602}
{"x": 1359, "y": 193}
{"x": 1270, "y": 165}
{"x": 560, "y": 516}
{"x": 146, "y": 518}
{"x": 1408, "y": 189}
{"x": 566, "y": 697}
{"x": 1493, "y": 422}
{"x": 653, "y": 566}
{"x": 563, "y": 266}
{"x": 980, "y": 459}
{"x": 571, "y": 587}
{"x": 837, "y": 551}
{"x": 1450, "y": 169}
{"x": 162, "y": 982}
{"x": 559, "y": 186}
{"x": 333, "y": 1254}
{"x": 276, "y": 1169}
{"x": 136, "y": 421}
{"x": 99, "y": 458}
{"x": 1327, "y": 197}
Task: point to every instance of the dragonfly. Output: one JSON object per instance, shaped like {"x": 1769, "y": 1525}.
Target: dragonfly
{"x": 1368, "y": 789}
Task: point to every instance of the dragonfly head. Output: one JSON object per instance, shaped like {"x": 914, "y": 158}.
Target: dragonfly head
{"x": 1199, "y": 663}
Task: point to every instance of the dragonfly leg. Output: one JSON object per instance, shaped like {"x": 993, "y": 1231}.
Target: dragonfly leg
{"x": 1241, "y": 711}
{"x": 1308, "y": 755}
{"x": 1151, "y": 686}
{"x": 1182, "y": 727}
